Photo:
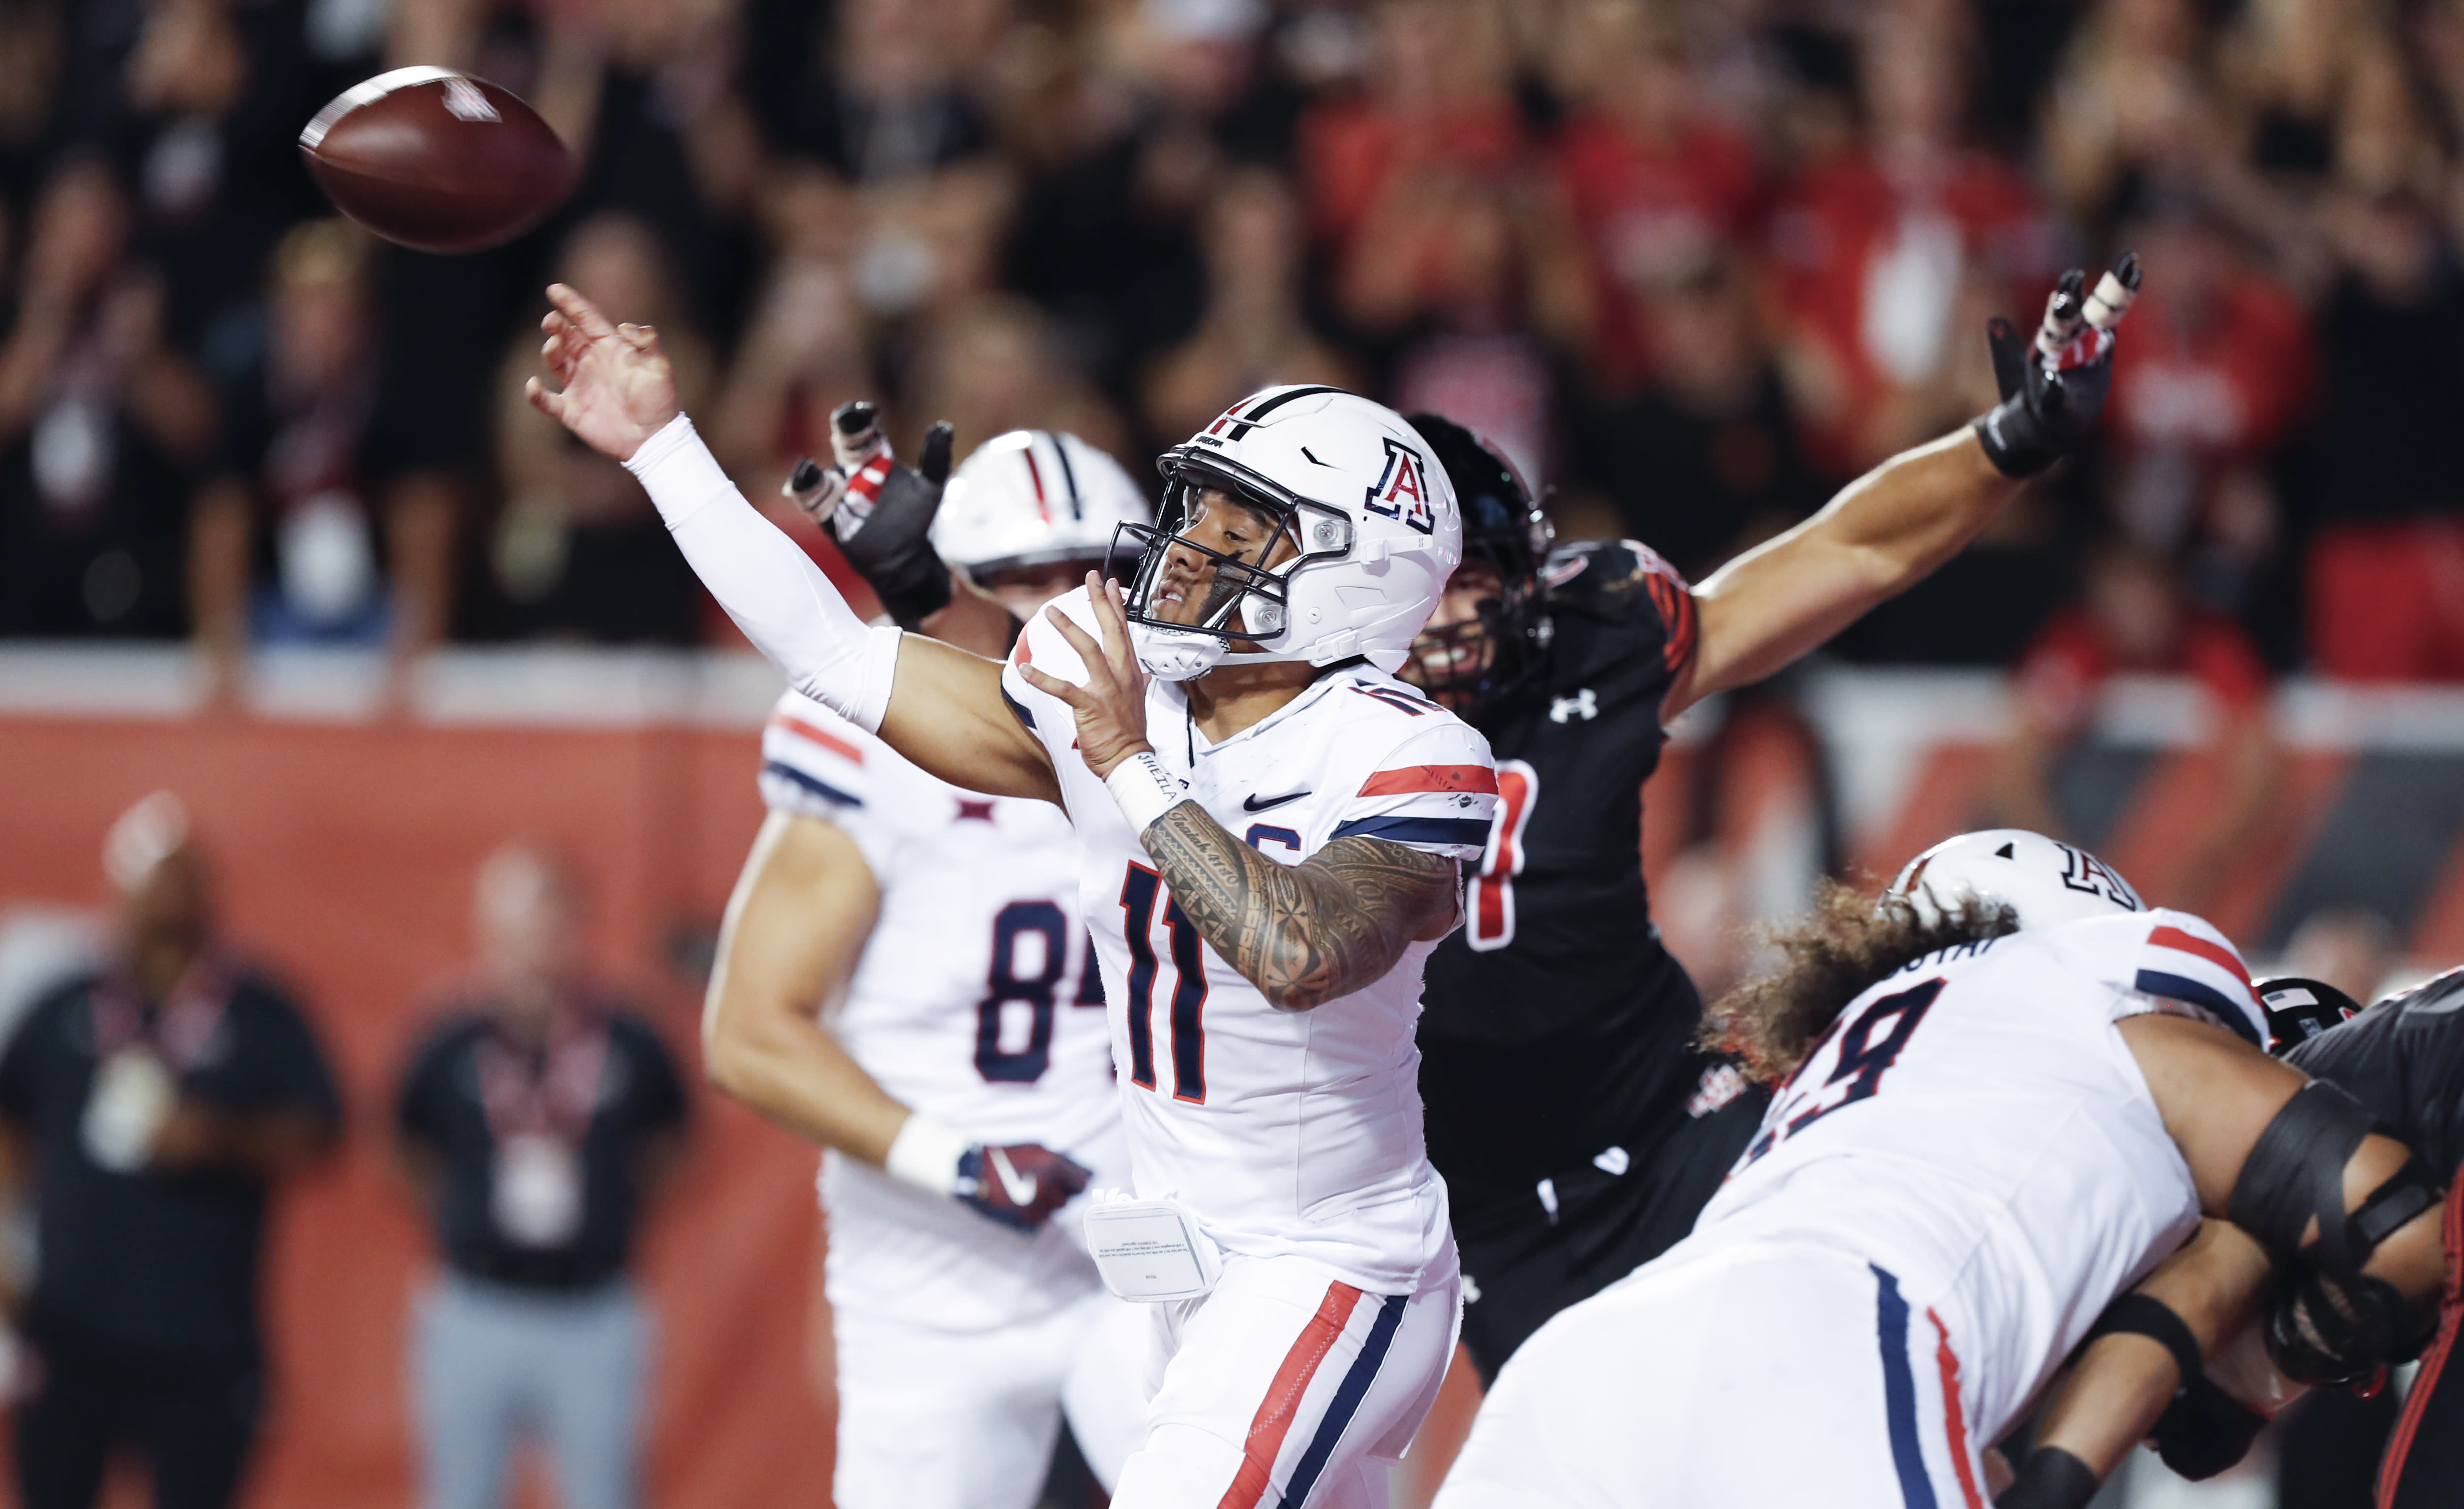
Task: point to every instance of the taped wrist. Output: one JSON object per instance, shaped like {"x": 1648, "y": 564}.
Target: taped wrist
{"x": 930, "y": 1156}
{"x": 2050, "y": 1478}
{"x": 2145, "y": 1315}
{"x": 1144, "y": 788}
{"x": 2016, "y": 445}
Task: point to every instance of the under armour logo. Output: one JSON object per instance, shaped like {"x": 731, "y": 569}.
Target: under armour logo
{"x": 463, "y": 101}
{"x": 979, "y": 810}
{"x": 1584, "y": 705}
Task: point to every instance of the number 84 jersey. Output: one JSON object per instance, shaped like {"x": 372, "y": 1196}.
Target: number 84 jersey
{"x": 977, "y": 1001}
{"x": 1293, "y": 1132}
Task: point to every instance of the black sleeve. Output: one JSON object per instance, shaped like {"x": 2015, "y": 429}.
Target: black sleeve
{"x": 423, "y": 1097}
{"x": 657, "y": 1095}
{"x": 21, "y": 1066}
{"x": 1627, "y": 584}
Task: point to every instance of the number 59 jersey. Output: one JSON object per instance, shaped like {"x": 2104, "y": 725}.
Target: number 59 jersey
{"x": 977, "y": 1001}
{"x": 1977, "y": 1126}
{"x": 1285, "y": 1132}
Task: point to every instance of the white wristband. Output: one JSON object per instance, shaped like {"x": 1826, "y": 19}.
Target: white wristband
{"x": 925, "y": 1154}
{"x": 678, "y": 471}
{"x": 1145, "y": 790}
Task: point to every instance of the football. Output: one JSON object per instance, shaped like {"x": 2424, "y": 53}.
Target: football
{"x": 436, "y": 160}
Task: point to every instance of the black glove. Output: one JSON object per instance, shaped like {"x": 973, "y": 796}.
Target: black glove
{"x": 880, "y": 513}
{"x": 2054, "y": 388}
{"x": 2205, "y": 1431}
{"x": 2051, "y": 1478}
{"x": 1019, "y": 1184}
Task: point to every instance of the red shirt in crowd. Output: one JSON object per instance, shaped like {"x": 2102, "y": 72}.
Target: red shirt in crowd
{"x": 2225, "y": 389}
{"x": 1352, "y": 148}
{"x": 1843, "y": 217}
{"x": 1647, "y": 211}
{"x": 2073, "y": 656}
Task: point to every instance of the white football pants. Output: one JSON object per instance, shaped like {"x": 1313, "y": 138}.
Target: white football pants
{"x": 931, "y": 1419}
{"x": 1751, "y": 1377}
{"x": 1285, "y": 1388}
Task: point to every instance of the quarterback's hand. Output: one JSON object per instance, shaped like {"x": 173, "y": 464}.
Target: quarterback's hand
{"x": 1111, "y": 706}
{"x": 2054, "y": 385}
{"x": 617, "y": 391}
{"x": 1019, "y": 1184}
{"x": 879, "y": 512}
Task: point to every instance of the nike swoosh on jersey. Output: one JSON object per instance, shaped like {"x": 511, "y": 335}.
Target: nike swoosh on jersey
{"x": 1020, "y": 1192}
{"x": 1252, "y": 803}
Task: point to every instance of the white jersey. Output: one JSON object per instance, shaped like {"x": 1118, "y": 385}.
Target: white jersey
{"x": 1975, "y": 1128}
{"x": 977, "y": 1001}
{"x": 1285, "y": 1132}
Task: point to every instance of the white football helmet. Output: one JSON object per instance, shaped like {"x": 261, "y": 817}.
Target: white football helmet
{"x": 1348, "y": 481}
{"x": 2045, "y": 881}
{"x": 1034, "y": 497}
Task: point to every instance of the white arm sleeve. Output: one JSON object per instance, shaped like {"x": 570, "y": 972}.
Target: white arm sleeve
{"x": 769, "y": 586}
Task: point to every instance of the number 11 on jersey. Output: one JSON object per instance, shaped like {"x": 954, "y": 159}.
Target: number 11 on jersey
{"x": 1139, "y": 889}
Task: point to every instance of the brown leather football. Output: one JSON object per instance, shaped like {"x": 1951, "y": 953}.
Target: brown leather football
{"x": 437, "y": 159}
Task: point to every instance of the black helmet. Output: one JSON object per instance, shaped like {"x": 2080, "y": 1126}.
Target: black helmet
{"x": 1502, "y": 525}
{"x": 2299, "y": 1009}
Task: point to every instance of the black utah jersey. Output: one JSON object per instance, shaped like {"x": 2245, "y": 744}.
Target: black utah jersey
{"x": 2404, "y": 1059}
{"x": 1554, "y": 1025}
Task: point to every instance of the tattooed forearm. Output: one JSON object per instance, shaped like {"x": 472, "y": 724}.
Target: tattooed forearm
{"x": 1305, "y": 933}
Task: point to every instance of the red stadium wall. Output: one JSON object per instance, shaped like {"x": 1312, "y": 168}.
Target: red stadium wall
{"x": 346, "y": 855}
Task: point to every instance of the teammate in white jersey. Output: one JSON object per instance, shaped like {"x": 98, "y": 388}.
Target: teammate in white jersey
{"x": 1261, "y": 992}
{"x": 968, "y": 1059}
{"x": 2008, "y": 1092}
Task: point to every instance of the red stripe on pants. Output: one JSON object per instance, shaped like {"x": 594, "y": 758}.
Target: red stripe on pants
{"x": 1273, "y": 1420}
{"x": 1954, "y": 1422}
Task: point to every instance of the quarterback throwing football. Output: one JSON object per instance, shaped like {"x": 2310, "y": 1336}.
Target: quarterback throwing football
{"x": 1269, "y": 832}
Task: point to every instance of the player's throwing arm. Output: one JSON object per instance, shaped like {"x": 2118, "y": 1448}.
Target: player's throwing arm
{"x": 615, "y": 391}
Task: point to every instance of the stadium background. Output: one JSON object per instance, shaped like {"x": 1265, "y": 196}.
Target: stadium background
{"x": 275, "y": 534}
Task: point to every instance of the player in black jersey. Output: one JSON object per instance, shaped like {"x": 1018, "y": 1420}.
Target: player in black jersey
{"x": 1579, "y": 1130}
{"x": 2403, "y": 1060}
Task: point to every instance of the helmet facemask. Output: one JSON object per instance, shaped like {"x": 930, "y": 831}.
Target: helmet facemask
{"x": 1246, "y": 600}
{"x": 1475, "y": 662}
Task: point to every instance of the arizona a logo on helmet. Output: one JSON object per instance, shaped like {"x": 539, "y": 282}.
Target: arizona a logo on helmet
{"x": 1402, "y": 491}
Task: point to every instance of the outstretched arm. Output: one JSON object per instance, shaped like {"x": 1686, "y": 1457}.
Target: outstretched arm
{"x": 1886, "y": 531}
{"x": 1893, "y": 526}
{"x": 617, "y": 395}
{"x": 1303, "y": 934}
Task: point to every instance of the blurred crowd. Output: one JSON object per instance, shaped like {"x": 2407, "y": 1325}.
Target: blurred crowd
{"x": 1693, "y": 263}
